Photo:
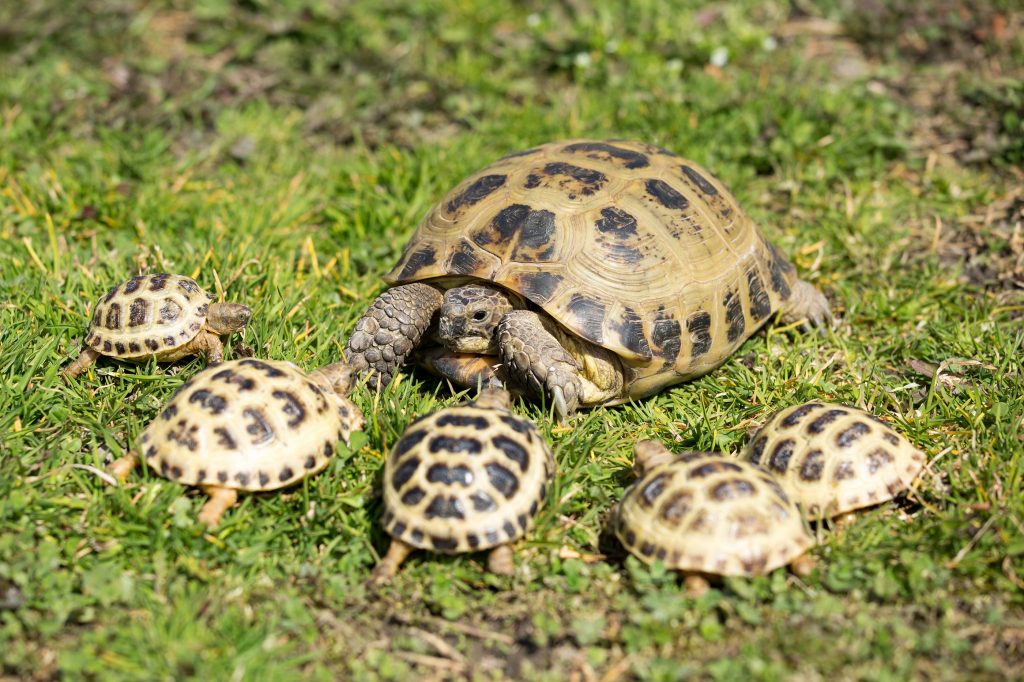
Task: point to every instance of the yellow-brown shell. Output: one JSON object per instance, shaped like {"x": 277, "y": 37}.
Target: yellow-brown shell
{"x": 248, "y": 424}
{"x": 466, "y": 478}
{"x": 708, "y": 513}
{"x": 625, "y": 244}
{"x": 834, "y": 458}
{"x": 149, "y": 315}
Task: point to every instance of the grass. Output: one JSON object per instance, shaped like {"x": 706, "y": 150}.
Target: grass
{"x": 283, "y": 152}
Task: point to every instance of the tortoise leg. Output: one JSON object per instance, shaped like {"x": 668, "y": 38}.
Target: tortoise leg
{"x": 500, "y": 560}
{"x": 121, "y": 467}
{"x": 205, "y": 343}
{"x": 844, "y": 520}
{"x": 388, "y": 566}
{"x": 85, "y": 360}
{"x": 214, "y": 348}
{"x": 467, "y": 370}
{"x": 209, "y": 345}
{"x": 539, "y": 361}
{"x": 696, "y": 585}
{"x": 807, "y": 304}
{"x": 803, "y": 565}
{"x": 394, "y": 325}
{"x": 221, "y": 499}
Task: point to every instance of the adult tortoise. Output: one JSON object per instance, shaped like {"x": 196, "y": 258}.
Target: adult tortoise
{"x": 587, "y": 271}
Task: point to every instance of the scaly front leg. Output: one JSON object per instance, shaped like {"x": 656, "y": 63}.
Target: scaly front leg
{"x": 538, "y": 361}
{"x": 392, "y": 327}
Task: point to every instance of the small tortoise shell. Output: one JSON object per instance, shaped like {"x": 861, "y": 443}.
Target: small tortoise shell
{"x": 709, "y": 513}
{"x": 624, "y": 244}
{"x": 248, "y": 424}
{"x": 149, "y": 315}
{"x": 834, "y": 458}
{"x": 465, "y": 478}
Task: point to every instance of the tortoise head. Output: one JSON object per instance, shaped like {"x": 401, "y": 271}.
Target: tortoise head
{"x": 493, "y": 397}
{"x": 224, "y": 318}
{"x": 338, "y": 377}
{"x": 647, "y": 454}
{"x": 470, "y": 315}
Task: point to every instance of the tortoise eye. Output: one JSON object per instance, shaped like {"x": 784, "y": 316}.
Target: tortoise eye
{"x": 480, "y": 316}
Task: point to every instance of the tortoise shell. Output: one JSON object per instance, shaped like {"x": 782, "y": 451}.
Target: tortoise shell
{"x": 248, "y": 424}
{"x": 709, "y": 513}
{"x": 834, "y": 458}
{"x": 465, "y": 478}
{"x": 625, "y": 244}
{"x": 149, "y": 315}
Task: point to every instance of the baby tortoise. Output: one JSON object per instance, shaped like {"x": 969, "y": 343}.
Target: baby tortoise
{"x": 160, "y": 316}
{"x": 706, "y": 514}
{"x": 466, "y": 478}
{"x": 248, "y": 425}
{"x": 593, "y": 272}
{"x": 832, "y": 459}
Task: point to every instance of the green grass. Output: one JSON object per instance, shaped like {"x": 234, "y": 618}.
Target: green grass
{"x": 283, "y": 152}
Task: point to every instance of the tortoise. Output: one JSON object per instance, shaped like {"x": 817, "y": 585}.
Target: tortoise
{"x": 161, "y": 316}
{"x": 832, "y": 459}
{"x": 704, "y": 514}
{"x": 466, "y": 478}
{"x": 250, "y": 425}
{"x": 592, "y": 272}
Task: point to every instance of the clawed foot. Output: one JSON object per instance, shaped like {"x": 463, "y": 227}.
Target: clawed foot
{"x": 564, "y": 389}
{"x": 809, "y": 307}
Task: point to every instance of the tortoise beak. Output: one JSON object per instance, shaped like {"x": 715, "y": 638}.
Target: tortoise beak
{"x": 449, "y": 329}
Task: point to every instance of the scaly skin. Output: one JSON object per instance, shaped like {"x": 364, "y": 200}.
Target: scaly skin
{"x": 545, "y": 361}
{"x": 85, "y": 360}
{"x": 500, "y": 560}
{"x": 462, "y": 369}
{"x": 388, "y": 566}
{"x": 392, "y": 327}
{"x": 809, "y": 305}
{"x": 537, "y": 360}
{"x": 120, "y": 468}
{"x": 221, "y": 499}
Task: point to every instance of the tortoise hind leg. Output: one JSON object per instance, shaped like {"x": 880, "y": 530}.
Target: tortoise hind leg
{"x": 807, "y": 304}
{"x": 803, "y": 565}
{"x": 534, "y": 357}
{"x": 500, "y": 561}
{"x": 696, "y": 584}
{"x": 221, "y": 499}
{"x": 120, "y": 468}
{"x": 388, "y": 566}
{"x": 391, "y": 328}
{"x": 85, "y": 360}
